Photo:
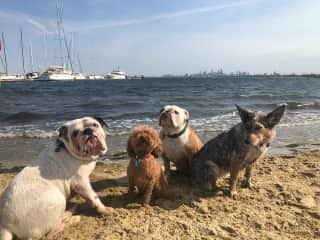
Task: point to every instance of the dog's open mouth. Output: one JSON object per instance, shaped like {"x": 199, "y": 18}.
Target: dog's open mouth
{"x": 90, "y": 145}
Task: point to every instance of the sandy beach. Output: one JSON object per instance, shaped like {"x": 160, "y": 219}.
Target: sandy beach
{"x": 284, "y": 205}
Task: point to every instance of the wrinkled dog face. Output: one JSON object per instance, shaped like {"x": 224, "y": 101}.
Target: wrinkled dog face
{"x": 173, "y": 118}
{"x": 259, "y": 127}
{"x": 84, "y": 138}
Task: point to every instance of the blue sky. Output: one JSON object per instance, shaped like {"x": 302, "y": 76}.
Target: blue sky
{"x": 170, "y": 36}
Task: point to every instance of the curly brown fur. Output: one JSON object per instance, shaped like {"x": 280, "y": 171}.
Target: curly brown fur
{"x": 144, "y": 172}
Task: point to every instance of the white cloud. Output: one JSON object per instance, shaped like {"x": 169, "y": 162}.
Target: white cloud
{"x": 165, "y": 16}
{"x": 38, "y": 25}
{"x": 22, "y": 18}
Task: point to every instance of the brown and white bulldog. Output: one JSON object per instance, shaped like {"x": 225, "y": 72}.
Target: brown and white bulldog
{"x": 180, "y": 142}
{"x": 34, "y": 204}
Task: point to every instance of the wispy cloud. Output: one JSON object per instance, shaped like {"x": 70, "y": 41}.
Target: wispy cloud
{"x": 165, "y": 16}
{"x": 38, "y": 25}
{"x": 22, "y": 18}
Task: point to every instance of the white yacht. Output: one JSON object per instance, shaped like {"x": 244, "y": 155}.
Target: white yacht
{"x": 95, "y": 77}
{"x": 32, "y": 76}
{"x": 116, "y": 74}
{"x": 11, "y": 77}
{"x": 78, "y": 76}
{"x": 59, "y": 72}
{"x": 56, "y": 73}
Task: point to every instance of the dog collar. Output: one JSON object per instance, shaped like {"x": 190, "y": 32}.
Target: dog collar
{"x": 176, "y": 135}
{"x": 138, "y": 160}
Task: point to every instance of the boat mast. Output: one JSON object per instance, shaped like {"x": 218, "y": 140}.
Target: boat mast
{"x": 79, "y": 63}
{"x": 59, "y": 34}
{"x": 2, "y": 63}
{"x": 5, "y": 54}
{"x": 73, "y": 51}
{"x": 61, "y": 30}
{"x": 45, "y": 50}
{"x": 22, "y": 55}
{"x": 31, "y": 55}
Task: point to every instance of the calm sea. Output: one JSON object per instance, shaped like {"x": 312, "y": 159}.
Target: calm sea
{"x": 35, "y": 110}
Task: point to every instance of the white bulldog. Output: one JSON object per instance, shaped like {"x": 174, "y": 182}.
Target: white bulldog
{"x": 180, "y": 142}
{"x": 34, "y": 204}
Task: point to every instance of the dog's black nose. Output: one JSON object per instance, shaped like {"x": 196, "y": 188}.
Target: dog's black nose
{"x": 143, "y": 140}
{"x": 246, "y": 141}
{"x": 88, "y": 131}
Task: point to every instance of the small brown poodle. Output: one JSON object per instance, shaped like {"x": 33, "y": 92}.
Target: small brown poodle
{"x": 144, "y": 172}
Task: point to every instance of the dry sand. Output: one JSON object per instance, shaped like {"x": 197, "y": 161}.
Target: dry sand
{"x": 284, "y": 205}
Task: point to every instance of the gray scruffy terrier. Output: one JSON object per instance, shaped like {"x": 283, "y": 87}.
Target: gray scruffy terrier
{"x": 235, "y": 150}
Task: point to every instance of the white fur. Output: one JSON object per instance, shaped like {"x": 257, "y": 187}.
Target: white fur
{"x": 174, "y": 149}
{"x": 35, "y": 201}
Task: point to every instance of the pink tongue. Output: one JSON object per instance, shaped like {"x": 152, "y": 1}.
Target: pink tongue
{"x": 87, "y": 143}
{"x": 92, "y": 142}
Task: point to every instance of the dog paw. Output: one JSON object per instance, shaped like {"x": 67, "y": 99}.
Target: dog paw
{"x": 234, "y": 195}
{"x": 105, "y": 211}
{"x": 248, "y": 184}
{"x": 145, "y": 205}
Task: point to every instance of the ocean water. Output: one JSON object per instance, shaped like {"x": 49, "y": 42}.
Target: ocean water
{"x": 31, "y": 112}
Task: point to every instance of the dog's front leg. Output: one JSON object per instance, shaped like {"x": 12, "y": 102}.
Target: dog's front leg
{"x": 83, "y": 187}
{"x": 166, "y": 163}
{"x": 148, "y": 193}
{"x": 130, "y": 188}
{"x": 234, "y": 175}
{"x": 247, "y": 175}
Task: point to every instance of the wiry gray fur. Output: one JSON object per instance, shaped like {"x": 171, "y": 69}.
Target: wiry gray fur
{"x": 232, "y": 151}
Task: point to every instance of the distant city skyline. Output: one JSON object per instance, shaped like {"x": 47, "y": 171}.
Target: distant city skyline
{"x": 169, "y": 37}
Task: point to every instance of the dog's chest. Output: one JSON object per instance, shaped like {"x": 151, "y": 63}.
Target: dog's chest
{"x": 175, "y": 148}
{"x": 254, "y": 154}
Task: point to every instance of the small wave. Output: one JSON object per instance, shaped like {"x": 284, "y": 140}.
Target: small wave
{"x": 122, "y": 127}
{"x": 302, "y": 105}
{"x": 257, "y": 96}
{"x": 128, "y": 117}
{"x": 30, "y": 134}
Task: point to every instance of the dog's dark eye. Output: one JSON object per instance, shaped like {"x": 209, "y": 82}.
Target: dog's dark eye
{"x": 75, "y": 134}
{"x": 268, "y": 144}
{"x": 95, "y": 125}
{"x": 176, "y": 112}
{"x": 257, "y": 127}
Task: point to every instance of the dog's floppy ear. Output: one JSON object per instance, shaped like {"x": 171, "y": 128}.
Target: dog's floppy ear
{"x": 157, "y": 151}
{"x": 63, "y": 133}
{"x": 187, "y": 114}
{"x": 245, "y": 115}
{"x": 274, "y": 117}
{"x": 101, "y": 121}
{"x": 161, "y": 111}
{"x": 130, "y": 149}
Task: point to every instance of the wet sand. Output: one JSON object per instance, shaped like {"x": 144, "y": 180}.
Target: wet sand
{"x": 284, "y": 205}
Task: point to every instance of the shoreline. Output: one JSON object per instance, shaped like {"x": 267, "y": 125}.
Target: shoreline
{"x": 20, "y": 151}
{"x": 285, "y": 204}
